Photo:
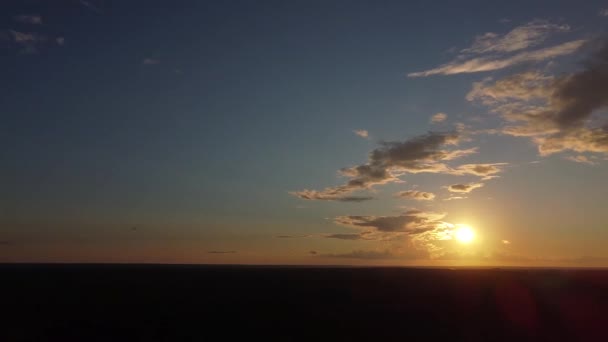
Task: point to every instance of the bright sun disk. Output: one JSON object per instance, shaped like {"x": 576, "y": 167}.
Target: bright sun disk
{"x": 464, "y": 234}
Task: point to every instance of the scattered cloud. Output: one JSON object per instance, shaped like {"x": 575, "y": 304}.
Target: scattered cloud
{"x": 424, "y": 153}
{"x": 150, "y": 61}
{"x": 221, "y": 252}
{"x": 439, "y": 117}
{"x": 362, "y": 133}
{"x": 416, "y": 195}
{"x": 60, "y": 41}
{"x": 506, "y": 242}
{"x": 480, "y": 64}
{"x": 464, "y": 188}
{"x": 603, "y": 12}
{"x": 29, "y": 19}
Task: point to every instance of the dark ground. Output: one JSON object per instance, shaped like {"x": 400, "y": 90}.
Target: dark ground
{"x": 218, "y": 303}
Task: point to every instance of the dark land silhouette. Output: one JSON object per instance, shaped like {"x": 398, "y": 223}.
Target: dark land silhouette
{"x": 225, "y": 303}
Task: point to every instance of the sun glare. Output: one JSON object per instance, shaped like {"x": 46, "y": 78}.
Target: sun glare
{"x": 464, "y": 234}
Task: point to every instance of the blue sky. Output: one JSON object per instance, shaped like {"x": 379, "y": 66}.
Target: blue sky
{"x": 170, "y": 130}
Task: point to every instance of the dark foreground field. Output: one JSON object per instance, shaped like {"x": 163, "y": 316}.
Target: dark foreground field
{"x": 213, "y": 303}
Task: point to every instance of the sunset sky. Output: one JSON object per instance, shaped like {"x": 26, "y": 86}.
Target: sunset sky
{"x": 304, "y": 132}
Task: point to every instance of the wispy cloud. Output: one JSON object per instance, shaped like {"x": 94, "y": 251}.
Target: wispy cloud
{"x": 221, "y": 252}
{"x": 416, "y": 195}
{"x": 362, "y": 133}
{"x": 603, "y": 12}
{"x": 479, "y": 64}
{"x": 29, "y": 19}
{"x": 439, "y": 117}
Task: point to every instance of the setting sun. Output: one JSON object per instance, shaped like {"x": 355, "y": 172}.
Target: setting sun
{"x": 464, "y": 234}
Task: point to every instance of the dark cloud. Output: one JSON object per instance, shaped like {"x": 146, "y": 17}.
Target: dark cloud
{"x": 221, "y": 252}
{"x": 416, "y": 195}
{"x": 424, "y": 153}
{"x": 464, "y": 188}
{"x": 313, "y": 252}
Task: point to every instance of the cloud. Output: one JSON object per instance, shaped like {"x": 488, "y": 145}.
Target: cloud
{"x": 330, "y": 194}
{"x": 345, "y": 236}
{"x": 313, "y": 252}
{"x": 480, "y": 64}
{"x": 439, "y": 117}
{"x": 221, "y": 252}
{"x": 454, "y": 198}
{"x": 581, "y": 159}
{"x": 363, "y": 254}
{"x": 292, "y": 236}
{"x": 90, "y": 5}
{"x": 555, "y": 112}
{"x": 362, "y": 133}
{"x": 603, "y": 12}
{"x": 424, "y": 153}
{"x": 150, "y": 61}
{"x": 486, "y": 171}
{"x": 416, "y": 195}
{"x": 29, "y": 42}
{"x": 29, "y": 19}
{"x": 521, "y": 37}
{"x": 411, "y": 222}
{"x": 464, "y": 188}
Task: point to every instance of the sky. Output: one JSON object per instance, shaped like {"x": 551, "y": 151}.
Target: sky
{"x": 304, "y": 132}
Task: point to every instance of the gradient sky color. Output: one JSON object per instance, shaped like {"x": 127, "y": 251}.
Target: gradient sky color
{"x": 304, "y": 132}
